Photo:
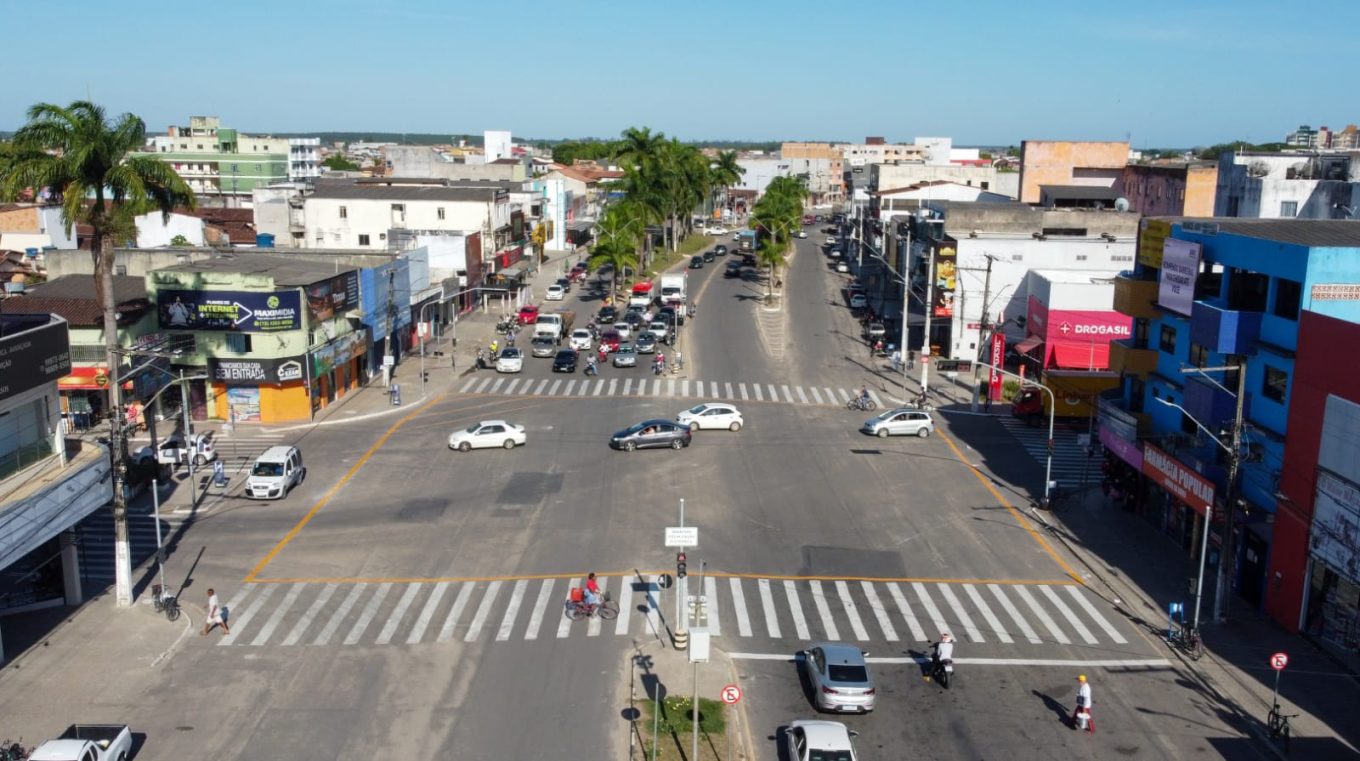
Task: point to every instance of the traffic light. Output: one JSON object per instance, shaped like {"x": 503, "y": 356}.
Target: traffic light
{"x": 680, "y": 570}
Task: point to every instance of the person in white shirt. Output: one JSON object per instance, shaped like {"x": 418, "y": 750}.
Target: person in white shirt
{"x": 216, "y": 616}
{"x": 1083, "y": 704}
{"x": 944, "y": 650}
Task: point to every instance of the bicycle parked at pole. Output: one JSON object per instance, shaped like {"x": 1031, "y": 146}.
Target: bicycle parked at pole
{"x": 164, "y": 602}
{"x": 1278, "y": 724}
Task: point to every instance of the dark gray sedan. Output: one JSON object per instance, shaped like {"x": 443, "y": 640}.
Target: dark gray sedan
{"x": 645, "y": 343}
{"x": 651, "y": 434}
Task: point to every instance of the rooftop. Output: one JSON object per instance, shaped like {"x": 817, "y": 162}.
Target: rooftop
{"x": 73, "y": 298}
{"x": 286, "y": 270}
{"x": 1085, "y": 192}
{"x": 401, "y": 190}
{"x": 1323, "y": 233}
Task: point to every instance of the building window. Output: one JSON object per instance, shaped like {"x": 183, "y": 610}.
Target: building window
{"x": 1140, "y": 333}
{"x": 238, "y": 342}
{"x": 1081, "y": 257}
{"x": 1188, "y": 425}
{"x": 259, "y": 167}
{"x": 1287, "y": 296}
{"x": 363, "y": 240}
{"x": 439, "y": 212}
{"x": 1168, "y": 344}
{"x": 344, "y": 212}
{"x": 1199, "y": 355}
{"x": 1289, "y": 209}
{"x": 1276, "y": 384}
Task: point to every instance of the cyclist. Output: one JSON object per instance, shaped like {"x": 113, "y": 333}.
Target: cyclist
{"x": 593, "y": 596}
{"x": 864, "y": 395}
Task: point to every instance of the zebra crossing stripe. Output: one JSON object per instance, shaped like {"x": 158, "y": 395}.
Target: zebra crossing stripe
{"x": 801, "y": 396}
{"x": 571, "y": 384}
{"x": 656, "y": 387}
{"x": 512, "y": 610}
{"x": 874, "y": 396}
{"x": 974, "y": 633}
{"x": 653, "y": 606}
{"x": 427, "y": 613}
{"x": 1014, "y": 613}
{"x": 851, "y": 610}
{"x": 767, "y": 603}
{"x": 742, "y": 388}
{"x": 774, "y": 392}
{"x": 1091, "y": 611}
{"x": 880, "y": 612}
{"x": 482, "y": 386}
{"x": 684, "y": 388}
{"x": 468, "y": 386}
{"x": 628, "y": 386}
{"x": 300, "y": 627}
{"x": 626, "y": 604}
{"x": 593, "y": 628}
{"x": 366, "y": 616}
{"x": 599, "y": 386}
{"x": 495, "y": 386}
{"x": 929, "y": 605}
{"x": 815, "y": 396}
{"x": 830, "y": 396}
{"x": 1068, "y": 614}
{"x": 1042, "y": 615}
{"x": 538, "y": 390}
{"x": 796, "y": 610}
{"x": 256, "y": 603}
{"x": 739, "y": 605}
{"x": 540, "y": 608}
{"x": 728, "y": 386}
{"x": 711, "y": 591}
{"x": 553, "y": 391}
{"x": 912, "y": 623}
{"x": 564, "y": 623}
{"x": 613, "y": 384}
{"x": 273, "y": 623}
{"x": 756, "y": 388}
{"x": 338, "y": 617}
{"x": 670, "y": 387}
{"x": 483, "y": 610}
{"x": 451, "y": 620}
{"x": 992, "y": 620}
{"x": 510, "y": 387}
{"x": 823, "y": 611}
{"x": 788, "y": 395}
{"x": 393, "y": 622}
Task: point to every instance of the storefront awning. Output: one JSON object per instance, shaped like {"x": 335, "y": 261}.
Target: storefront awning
{"x": 510, "y": 272}
{"x": 1073, "y": 356}
{"x": 88, "y": 378}
{"x": 1028, "y": 345}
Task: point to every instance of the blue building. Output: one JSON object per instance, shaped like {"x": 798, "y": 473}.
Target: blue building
{"x": 385, "y": 292}
{"x": 1218, "y": 293}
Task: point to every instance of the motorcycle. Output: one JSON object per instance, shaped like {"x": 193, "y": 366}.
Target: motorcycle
{"x": 942, "y": 670}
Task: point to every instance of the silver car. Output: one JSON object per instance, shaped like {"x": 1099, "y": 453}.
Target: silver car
{"x": 839, "y": 677}
{"x": 625, "y": 356}
{"x": 903, "y": 421}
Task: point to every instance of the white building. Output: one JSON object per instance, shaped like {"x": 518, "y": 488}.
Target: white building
{"x": 156, "y": 231}
{"x": 761, "y": 171}
{"x": 986, "y": 177}
{"x": 496, "y": 144}
{"x": 304, "y": 158}
{"x": 1304, "y": 185}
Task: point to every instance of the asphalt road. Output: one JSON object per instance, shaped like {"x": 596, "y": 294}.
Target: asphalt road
{"x": 407, "y": 600}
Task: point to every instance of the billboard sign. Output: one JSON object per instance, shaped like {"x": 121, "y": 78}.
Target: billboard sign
{"x": 1178, "y": 479}
{"x": 241, "y": 311}
{"x": 946, "y": 280}
{"x": 998, "y": 359}
{"x": 1336, "y": 525}
{"x": 1152, "y": 234}
{"x": 334, "y": 296}
{"x": 1180, "y": 269}
{"x": 33, "y": 357}
{"x": 257, "y": 371}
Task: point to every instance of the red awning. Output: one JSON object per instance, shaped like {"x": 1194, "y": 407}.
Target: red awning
{"x": 1075, "y": 356}
{"x": 87, "y": 378}
{"x": 1028, "y": 345}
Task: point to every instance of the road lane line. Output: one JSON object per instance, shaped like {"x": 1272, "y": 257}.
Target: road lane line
{"x": 593, "y": 628}
{"x": 974, "y": 633}
{"x": 538, "y": 390}
{"x": 1091, "y": 611}
{"x": 510, "y": 387}
{"x": 483, "y": 611}
{"x": 905, "y": 608}
{"x": 468, "y": 386}
{"x": 555, "y": 384}
{"x": 774, "y": 392}
{"x": 788, "y": 395}
{"x": 427, "y": 612}
{"x": 571, "y": 384}
{"x": 1124, "y": 663}
{"x": 742, "y": 388}
{"x": 613, "y": 385}
{"x": 599, "y": 385}
{"x": 540, "y": 609}
{"x": 830, "y": 396}
{"x": 628, "y": 386}
{"x": 931, "y": 610}
{"x": 739, "y": 605}
{"x": 279, "y": 613}
{"x": 802, "y": 398}
{"x": 711, "y": 591}
{"x": 851, "y": 610}
{"x": 495, "y": 386}
{"x": 880, "y": 612}
{"x": 796, "y": 610}
{"x": 256, "y": 603}
{"x": 1067, "y": 613}
{"x": 451, "y": 620}
{"x": 756, "y": 388}
{"x": 366, "y": 615}
{"x": 874, "y": 396}
{"x": 767, "y": 605}
{"x": 328, "y": 631}
{"x": 485, "y": 382}
{"x": 626, "y": 603}
{"x": 1014, "y": 613}
{"x": 992, "y": 620}
{"x": 684, "y": 388}
{"x": 728, "y": 387}
{"x": 653, "y": 606}
{"x": 816, "y": 397}
{"x": 393, "y": 622}
{"x": 823, "y": 611}
{"x": 300, "y": 627}
{"x": 1043, "y": 616}
{"x": 512, "y": 610}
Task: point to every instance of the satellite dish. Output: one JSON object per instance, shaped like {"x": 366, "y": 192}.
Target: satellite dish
{"x": 1121, "y": 204}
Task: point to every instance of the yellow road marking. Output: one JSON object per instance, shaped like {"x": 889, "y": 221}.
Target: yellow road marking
{"x": 977, "y": 473}
{"x": 326, "y": 498}
{"x": 652, "y": 572}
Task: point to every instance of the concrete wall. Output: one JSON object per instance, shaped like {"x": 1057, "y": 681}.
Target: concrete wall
{"x": 891, "y": 176}
{"x": 760, "y": 172}
{"x": 138, "y": 262}
{"x": 424, "y": 161}
{"x": 1055, "y": 162}
{"x": 154, "y": 231}
{"x": 373, "y": 217}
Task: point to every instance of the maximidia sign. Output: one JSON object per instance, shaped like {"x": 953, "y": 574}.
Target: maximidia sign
{"x": 251, "y": 372}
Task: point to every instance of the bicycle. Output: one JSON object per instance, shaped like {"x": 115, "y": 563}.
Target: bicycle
{"x": 860, "y": 404}
{"x": 164, "y": 602}
{"x": 608, "y": 609}
{"x": 1279, "y": 724}
{"x": 1188, "y": 640}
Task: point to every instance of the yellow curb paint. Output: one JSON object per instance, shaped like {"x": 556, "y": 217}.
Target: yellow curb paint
{"x": 326, "y": 498}
{"x": 1019, "y": 519}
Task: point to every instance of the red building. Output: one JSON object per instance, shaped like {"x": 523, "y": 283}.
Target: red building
{"x": 1313, "y": 582}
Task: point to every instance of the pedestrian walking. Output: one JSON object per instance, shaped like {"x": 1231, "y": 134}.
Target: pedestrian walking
{"x": 1081, "y": 715}
{"x": 216, "y": 615}
{"x": 897, "y": 360}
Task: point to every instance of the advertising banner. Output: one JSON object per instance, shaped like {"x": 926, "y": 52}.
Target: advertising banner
{"x": 256, "y": 371}
{"x": 998, "y": 360}
{"x": 328, "y": 298}
{"x": 1126, "y": 450}
{"x": 946, "y": 279}
{"x": 1178, "y": 479}
{"x": 1080, "y": 339}
{"x": 243, "y": 404}
{"x": 1152, "y": 234}
{"x": 1336, "y": 525}
{"x": 337, "y": 352}
{"x": 1180, "y": 269}
{"x": 33, "y": 357}
{"x": 244, "y": 311}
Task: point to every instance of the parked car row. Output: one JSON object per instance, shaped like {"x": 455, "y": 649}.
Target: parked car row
{"x": 656, "y": 433}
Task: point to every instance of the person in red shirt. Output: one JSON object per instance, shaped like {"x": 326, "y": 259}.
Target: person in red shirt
{"x": 592, "y": 592}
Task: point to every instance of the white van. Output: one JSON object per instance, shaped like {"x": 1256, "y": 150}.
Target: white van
{"x": 275, "y": 473}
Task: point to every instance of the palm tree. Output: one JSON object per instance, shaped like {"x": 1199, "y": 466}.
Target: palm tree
{"x": 771, "y": 254}
{"x": 80, "y": 156}
{"x": 726, "y": 171}
{"x": 638, "y": 147}
{"x": 778, "y": 213}
{"x": 619, "y": 253}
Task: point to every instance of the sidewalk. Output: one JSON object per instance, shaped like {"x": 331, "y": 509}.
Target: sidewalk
{"x": 1124, "y": 557}
{"x": 660, "y": 671}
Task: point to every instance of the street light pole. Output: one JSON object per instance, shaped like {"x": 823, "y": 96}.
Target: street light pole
{"x": 1222, "y": 589}
{"x": 925, "y": 339}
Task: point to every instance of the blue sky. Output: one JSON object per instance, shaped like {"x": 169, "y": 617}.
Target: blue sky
{"x": 1158, "y": 72}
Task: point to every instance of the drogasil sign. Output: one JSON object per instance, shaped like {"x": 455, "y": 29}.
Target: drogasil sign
{"x": 1080, "y": 329}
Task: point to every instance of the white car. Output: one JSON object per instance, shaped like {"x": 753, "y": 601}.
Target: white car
{"x": 830, "y": 240}
{"x": 625, "y": 330}
{"x": 580, "y": 339}
{"x": 511, "y": 360}
{"x": 800, "y": 234}
{"x": 711, "y": 415}
{"x": 715, "y": 230}
{"x": 858, "y": 301}
{"x": 902, "y": 421}
{"x": 828, "y": 740}
{"x": 841, "y": 266}
{"x": 488, "y": 434}
{"x": 555, "y": 292}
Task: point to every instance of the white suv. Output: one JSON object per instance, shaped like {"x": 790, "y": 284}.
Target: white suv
{"x": 580, "y": 339}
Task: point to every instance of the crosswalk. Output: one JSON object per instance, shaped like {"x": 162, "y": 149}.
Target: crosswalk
{"x": 616, "y": 386}
{"x": 1070, "y": 461}
{"x": 381, "y": 613}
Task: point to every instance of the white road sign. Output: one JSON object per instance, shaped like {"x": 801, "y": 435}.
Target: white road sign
{"x": 682, "y": 536}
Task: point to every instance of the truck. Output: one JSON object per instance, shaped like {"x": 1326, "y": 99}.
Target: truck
{"x": 87, "y": 742}
{"x": 556, "y": 324}
{"x": 746, "y": 240}
{"x": 1075, "y": 391}
{"x": 673, "y": 288}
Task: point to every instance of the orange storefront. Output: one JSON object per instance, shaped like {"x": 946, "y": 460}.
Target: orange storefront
{"x": 260, "y": 390}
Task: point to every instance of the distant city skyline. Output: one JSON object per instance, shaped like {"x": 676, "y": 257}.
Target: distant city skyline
{"x": 1162, "y": 75}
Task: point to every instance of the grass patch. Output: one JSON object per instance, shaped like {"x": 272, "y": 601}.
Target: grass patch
{"x": 664, "y": 260}
{"x": 674, "y": 727}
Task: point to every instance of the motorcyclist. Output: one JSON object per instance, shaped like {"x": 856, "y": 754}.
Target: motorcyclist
{"x": 944, "y": 651}
{"x": 591, "y": 368}
{"x": 495, "y": 347}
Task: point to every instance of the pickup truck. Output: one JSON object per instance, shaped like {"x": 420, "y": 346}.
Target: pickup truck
{"x": 87, "y": 742}
{"x": 555, "y": 324}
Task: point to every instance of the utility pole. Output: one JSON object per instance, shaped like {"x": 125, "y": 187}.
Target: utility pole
{"x": 984, "y": 338}
{"x": 1228, "y": 550}
{"x": 929, "y": 308}
{"x": 122, "y": 552}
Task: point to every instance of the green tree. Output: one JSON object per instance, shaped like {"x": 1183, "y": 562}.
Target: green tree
{"x": 617, "y": 244}
{"x": 338, "y": 163}
{"x": 179, "y": 241}
{"x": 777, "y": 215}
{"x": 95, "y": 167}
